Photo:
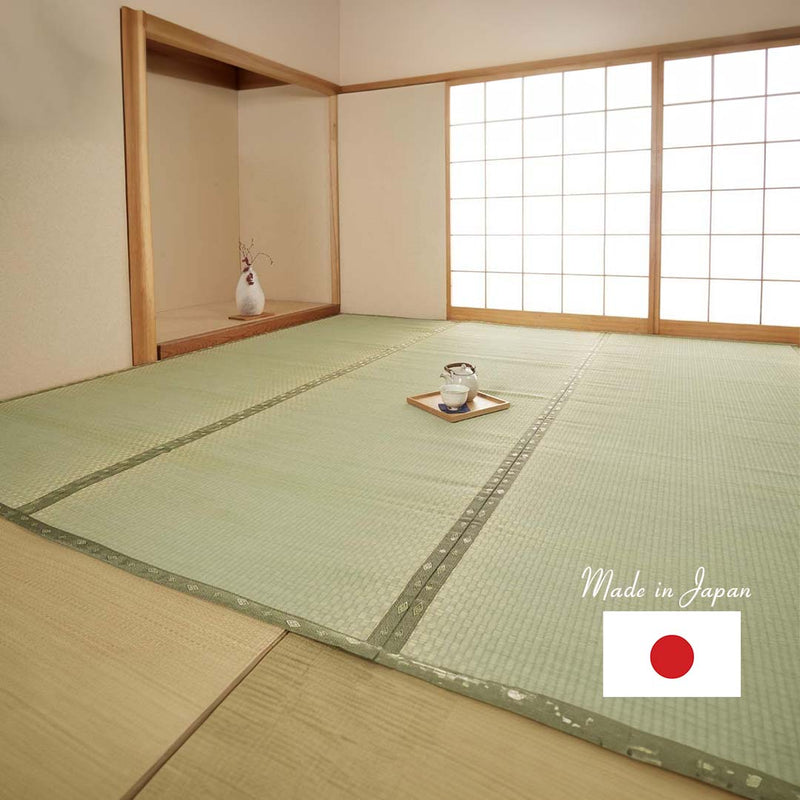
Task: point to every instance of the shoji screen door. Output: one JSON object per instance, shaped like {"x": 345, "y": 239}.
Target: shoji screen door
{"x": 730, "y": 226}
{"x": 656, "y": 195}
{"x": 550, "y": 194}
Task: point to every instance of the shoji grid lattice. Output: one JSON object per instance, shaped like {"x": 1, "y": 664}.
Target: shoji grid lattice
{"x": 730, "y": 247}
{"x": 550, "y": 192}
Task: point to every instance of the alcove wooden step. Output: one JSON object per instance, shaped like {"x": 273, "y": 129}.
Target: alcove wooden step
{"x": 184, "y": 330}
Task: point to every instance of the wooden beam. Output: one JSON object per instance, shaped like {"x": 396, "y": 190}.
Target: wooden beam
{"x": 137, "y": 175}
{"x": 333, "y": 156}
{"x": 540, "y": 319}
{"x": 164, "y": 32}
{"x": 718, "y": 44}
{"x": 165, "y": 60}
{"x": 251, "y": 80}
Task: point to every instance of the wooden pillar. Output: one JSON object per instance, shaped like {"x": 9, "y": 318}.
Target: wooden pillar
{"x": 137, "y": 176}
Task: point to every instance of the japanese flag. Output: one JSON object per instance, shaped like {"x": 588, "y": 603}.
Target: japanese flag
{"x": 671, "y": 654}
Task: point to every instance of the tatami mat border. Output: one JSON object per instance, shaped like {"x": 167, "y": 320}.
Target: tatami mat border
{"x": 181, "y": 583}
{"x": 91, "y": 478}
{"x": 600, "y": 730}
{"x": 385, "y": 642}
{"x": 594, "y": 728}
{"x": 603, "y": 731}
{"x": 394, "y": 630}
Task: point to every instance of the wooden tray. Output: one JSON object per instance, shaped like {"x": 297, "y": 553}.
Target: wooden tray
{"x": 245, "y": 318}
{"x": 482, "y": 404}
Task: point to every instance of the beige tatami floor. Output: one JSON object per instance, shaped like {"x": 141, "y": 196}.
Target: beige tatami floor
{"x": 111, "y": 686}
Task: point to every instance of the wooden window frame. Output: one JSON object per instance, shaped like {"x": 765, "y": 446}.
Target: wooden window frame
{"x": 543, "y": 319}
{"x": 656, "y": 55}
{"x": 209, "y": 60}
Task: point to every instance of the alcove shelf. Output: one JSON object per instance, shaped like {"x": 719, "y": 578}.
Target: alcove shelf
{"x": 192, "y": 320}
{"x": 183, "y": 330}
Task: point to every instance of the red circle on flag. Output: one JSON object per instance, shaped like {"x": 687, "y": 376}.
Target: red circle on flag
{"x": 672, "y": 656}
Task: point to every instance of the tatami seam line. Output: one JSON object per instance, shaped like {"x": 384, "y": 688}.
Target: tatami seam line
{"x": 56, "y": 495}
{"x": 600, "y": 730}
{"x": 201, "y": 719}
{"x": 395, "y": 629}
{"x": 607, "y": 732}
{"x": 399, "y": 622}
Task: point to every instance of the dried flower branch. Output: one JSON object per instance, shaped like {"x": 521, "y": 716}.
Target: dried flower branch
{"x": 247, "y": 257}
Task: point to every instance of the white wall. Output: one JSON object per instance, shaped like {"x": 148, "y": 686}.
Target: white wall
{"x": 284, "y": 189}
{"x": 382, "y": 40}
{"x": 194, "y": 190}
{"x": 392, "y": 201}
{"x": 64, "y": 307}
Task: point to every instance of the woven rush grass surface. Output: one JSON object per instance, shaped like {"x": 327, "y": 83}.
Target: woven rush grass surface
{"x": 669, "y": 455}
{"x": 54, "y": 437}
{"x": 324, "y": 505}
{"x": 329, "y": 506}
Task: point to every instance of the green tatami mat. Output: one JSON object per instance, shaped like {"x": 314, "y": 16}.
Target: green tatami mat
{"x": 286, "y": 477}
{"x": 55, "y": 437}
{"x": 325, "y": 505}
{"x": 670, "y": 454}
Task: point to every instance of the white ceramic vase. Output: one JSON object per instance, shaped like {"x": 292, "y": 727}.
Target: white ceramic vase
{"x": 249, "y": 294}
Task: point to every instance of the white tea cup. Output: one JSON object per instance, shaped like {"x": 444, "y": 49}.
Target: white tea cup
{"x": 454, "y": 395}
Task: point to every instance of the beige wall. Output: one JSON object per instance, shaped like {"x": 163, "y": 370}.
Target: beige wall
{"x": 63, "y": 266}
{"x": 392, "y": 203}
{"x": 392, "y": 190}
{"x": 284, "y": 189}
{"x": 63, "y": 260}
{"x": 194, "y": 189}
{"x": 381, "y": 40}
{"x": 64, "y": 312}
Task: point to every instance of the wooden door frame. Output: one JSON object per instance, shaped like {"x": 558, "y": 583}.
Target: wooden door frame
{"x": 251, "y": 71}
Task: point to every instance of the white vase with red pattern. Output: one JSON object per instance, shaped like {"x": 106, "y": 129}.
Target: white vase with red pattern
{"x": 249, "y": 294}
